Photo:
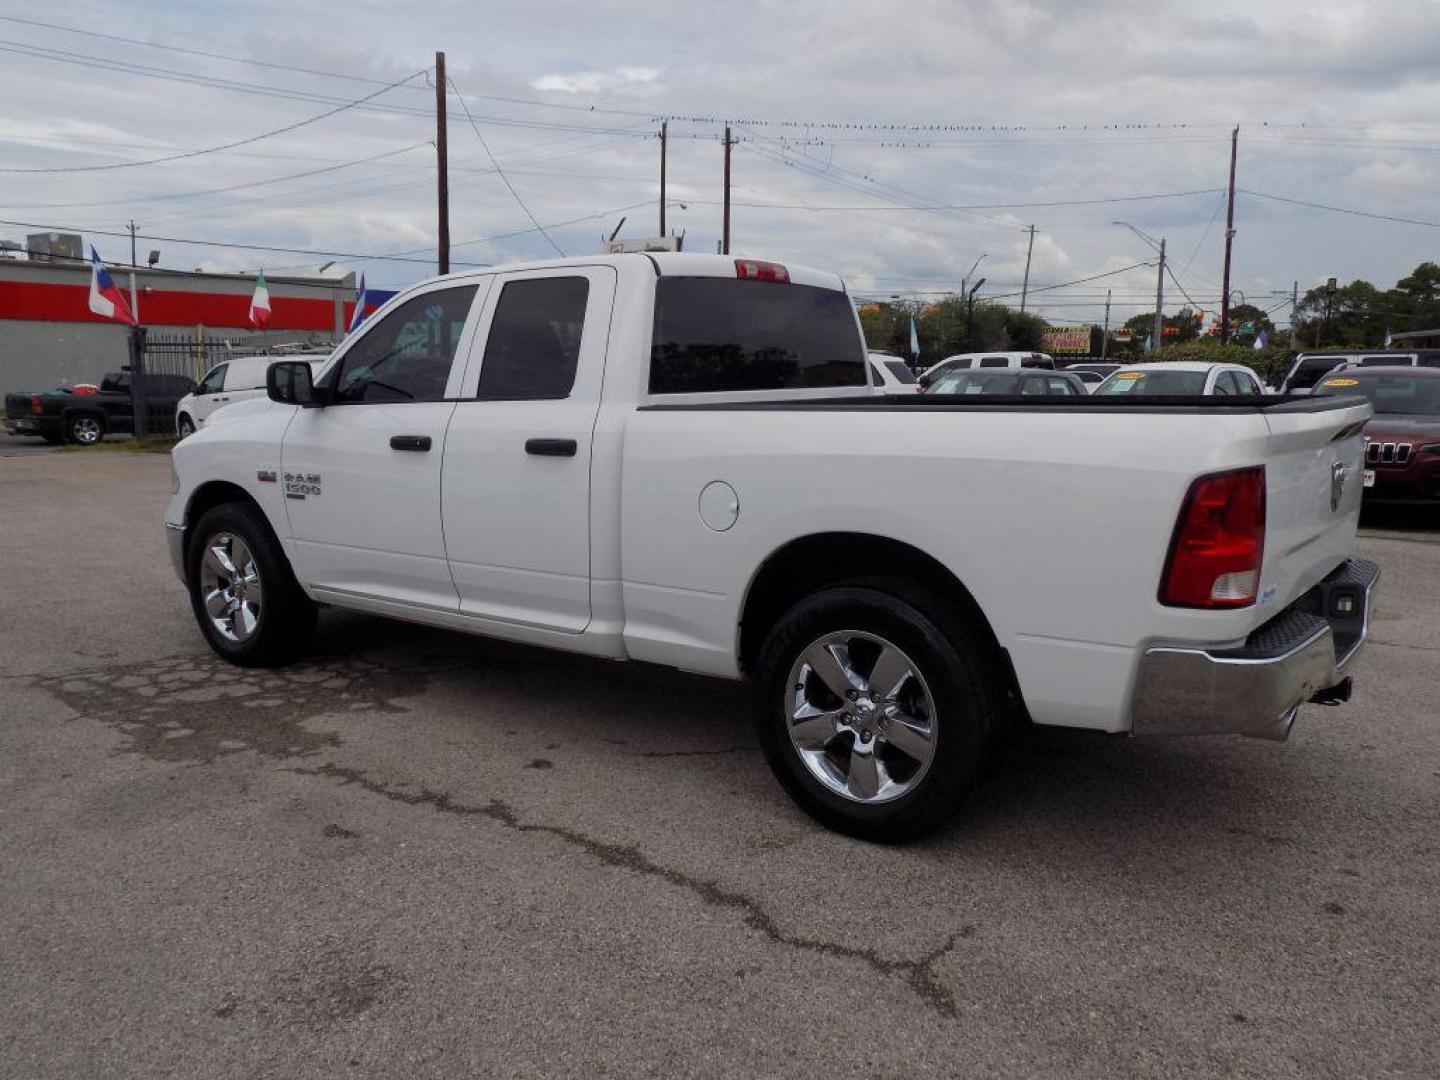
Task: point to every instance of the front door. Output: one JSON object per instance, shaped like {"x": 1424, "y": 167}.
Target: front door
{"x": 362, "y": 474}
{"x": 517, "y": 457}
{"x": 208, "y": 394}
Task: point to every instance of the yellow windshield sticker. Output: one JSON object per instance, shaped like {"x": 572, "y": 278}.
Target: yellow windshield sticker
{"x": 1342, "y": 382}
{"x": 1129, "y": 375}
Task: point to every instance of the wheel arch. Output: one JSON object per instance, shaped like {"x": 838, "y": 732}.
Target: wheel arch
{"x": 215, "y": 493}
{"x": 806, "y": 564}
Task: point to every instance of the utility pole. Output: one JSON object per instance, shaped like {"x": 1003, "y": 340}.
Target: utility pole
{"x": 664, "y": 125}
{"x": 1229, "y": 240}
{"x": 1105, "y": 334}
{"x": 1025, "y": 287}
{"x": 725, "y": 240}
{"x": 134, "y": 294}
{"x": 1294, "y": 307}
{"x": 1158, "y": 334}
{"x": 442, "y": 162}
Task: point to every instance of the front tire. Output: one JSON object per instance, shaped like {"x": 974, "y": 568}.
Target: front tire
{"x": 246, "y": 601}
{"x": 876, "y": 707}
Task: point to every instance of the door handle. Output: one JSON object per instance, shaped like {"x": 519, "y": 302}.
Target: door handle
{"x": 551, "y": 447}
{"x": 410, "y": 442}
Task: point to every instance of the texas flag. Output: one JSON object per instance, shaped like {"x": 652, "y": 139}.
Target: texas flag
{"x": 359, "y": 316}
{"x": 260, "y": 303}
{"x": 106, "y": 299}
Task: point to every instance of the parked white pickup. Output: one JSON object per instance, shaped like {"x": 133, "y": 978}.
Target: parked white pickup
{"x": 679, "y": 459}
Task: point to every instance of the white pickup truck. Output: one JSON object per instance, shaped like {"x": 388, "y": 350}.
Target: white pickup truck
{"x": 678, "y": 459}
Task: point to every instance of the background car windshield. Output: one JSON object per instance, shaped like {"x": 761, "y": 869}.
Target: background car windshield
{"x": 1397, "y": 394}
{"x": 974, "y": 382}
{"x": 1154, "y": 383}
{"x": 723, "y": 334}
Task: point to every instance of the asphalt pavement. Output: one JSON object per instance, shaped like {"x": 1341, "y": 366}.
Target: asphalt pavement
{"x": 419, "y": 855}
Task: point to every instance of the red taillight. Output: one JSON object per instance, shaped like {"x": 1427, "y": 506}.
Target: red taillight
{"x": 1219, "y": 539}
{"x": 35, "y": 407}
{"x": 761, "y": 271}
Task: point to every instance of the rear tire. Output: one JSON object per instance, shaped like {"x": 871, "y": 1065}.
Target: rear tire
{"x": 84, "y": 429}
{"x": 922, "y": 735}
{"x": 246, "y": 601}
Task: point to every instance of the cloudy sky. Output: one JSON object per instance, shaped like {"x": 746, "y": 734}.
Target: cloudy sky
{"x": 888, "y": 141}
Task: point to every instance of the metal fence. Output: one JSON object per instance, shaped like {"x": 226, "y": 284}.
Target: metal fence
{"x": 188, "y": 355}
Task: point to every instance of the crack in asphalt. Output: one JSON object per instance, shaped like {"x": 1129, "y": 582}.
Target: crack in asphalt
{"x": 695, "y": 753}
{"x": 1403, "y": 645}
{"x": 920, "y": 975}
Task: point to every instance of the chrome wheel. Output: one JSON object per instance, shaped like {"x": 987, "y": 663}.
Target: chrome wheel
{"x": 861, "y": 717}
{"x": 230, "y": 587}
{"x": 85, "y": 430}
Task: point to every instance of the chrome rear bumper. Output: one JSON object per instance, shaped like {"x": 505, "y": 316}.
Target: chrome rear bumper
{"x": 1258, "y": 688}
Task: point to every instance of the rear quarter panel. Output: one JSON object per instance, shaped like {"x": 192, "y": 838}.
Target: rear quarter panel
{"x": 1057, "y": 523}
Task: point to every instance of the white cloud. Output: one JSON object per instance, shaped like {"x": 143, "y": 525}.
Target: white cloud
{"x": 596, "y": 82}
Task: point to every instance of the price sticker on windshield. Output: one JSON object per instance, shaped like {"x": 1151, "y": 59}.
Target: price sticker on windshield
{"x": 1369, "y": 478}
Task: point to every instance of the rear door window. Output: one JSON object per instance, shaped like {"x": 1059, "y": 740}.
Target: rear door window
{"x": 716, "y": 335}
{"x": 534, "y": 343}
{"x": 1063, "y": 387}
{"x": 994, "y": 361}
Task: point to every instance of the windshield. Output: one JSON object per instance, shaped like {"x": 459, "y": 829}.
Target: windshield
{"x": 1390, "y": 393}
{"x": 1154, "y": 383}
{"x": 974, "y": 382}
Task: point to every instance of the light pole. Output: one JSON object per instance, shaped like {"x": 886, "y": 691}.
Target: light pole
{"x": 1158, "y": 332}
{"x": 965, "y": 281}
{"x": 970, "y": 307}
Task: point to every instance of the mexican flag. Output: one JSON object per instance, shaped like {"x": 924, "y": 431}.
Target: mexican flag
{"x": 260, "y": 304}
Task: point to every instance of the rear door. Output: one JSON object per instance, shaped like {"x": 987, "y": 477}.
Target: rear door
{"x": 516, "y": 477}
{"x": 362, "y": 475}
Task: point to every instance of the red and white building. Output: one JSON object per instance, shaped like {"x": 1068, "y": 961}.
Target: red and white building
{"x": 49, "y": 336}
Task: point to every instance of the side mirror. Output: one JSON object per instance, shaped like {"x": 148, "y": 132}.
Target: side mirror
{"x": 289, "y": 382}
{"x": 925, "y": 381}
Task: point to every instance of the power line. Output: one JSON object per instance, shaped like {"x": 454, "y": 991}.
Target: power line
{"x": 224, "y": 146}
{"x": 359, "y": 256}
{"x": 972, "y": 206}
{"x": 189, "y": 51}
{"x": 1340, "y": 209}
{"x": 216, "y": 191}
{"x": 146, "y": 71}
{"x": 1077, "y": 281}
{"x": 500, "y": 172}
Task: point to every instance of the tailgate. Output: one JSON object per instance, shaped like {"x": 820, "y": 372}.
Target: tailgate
{"x": 1313, "y": 468}
{"x": 17, "y": 406}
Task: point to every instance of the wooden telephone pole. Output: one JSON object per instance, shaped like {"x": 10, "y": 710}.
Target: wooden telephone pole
{"x": 664, "y": 131}
{"x": 725, "y": 235}
{"x": 1229, "y": 240}
{"x": 442, "y": 162}
{"x": 1025, "y": 286}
